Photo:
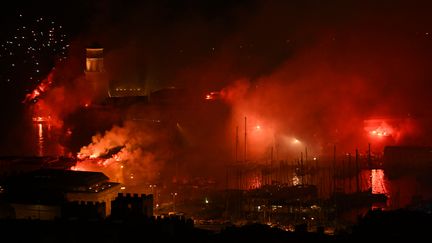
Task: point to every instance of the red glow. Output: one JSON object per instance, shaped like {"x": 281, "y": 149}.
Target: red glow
{"x": 121, "y": 153}
{"x": 212, "y": 95}
{"x": 381, "y": 132}
{"x": 40, "y": 89}
{"x": 255, "y": 183}
{"x": 387, "y": 130}
{"x": 378, "y": 182}
{"x": 110, "y": 166}
{"x": 41, "y": 119}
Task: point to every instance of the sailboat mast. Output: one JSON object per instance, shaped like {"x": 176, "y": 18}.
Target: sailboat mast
{"x": 369, "y": 156}
{"x": 271, "y": 155}
{"x": 349, "y": 169}
{"x": 334, "y": 168}
{"x": 306, "y": 160}
{"x": 357, "y": 173}
{"x": 245, "y": 139}
{"x": 236, "y": 145}
{"x": 271, "y": 165}
{"x": 301, "y": 168}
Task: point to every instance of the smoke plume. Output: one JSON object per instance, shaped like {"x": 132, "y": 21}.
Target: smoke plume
{"x": 304, "y": 74}
{"x": 133, "y": 153}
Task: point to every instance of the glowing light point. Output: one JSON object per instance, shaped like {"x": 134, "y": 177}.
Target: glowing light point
{"x": 214, "y": 95}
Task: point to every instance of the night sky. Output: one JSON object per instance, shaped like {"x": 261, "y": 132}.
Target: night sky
{"x": 329, "y": 61}
{"x": 168, "y": 39}
{"x": 282, "y": 96}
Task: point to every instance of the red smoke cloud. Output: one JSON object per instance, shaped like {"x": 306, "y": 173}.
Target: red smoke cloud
{"x": 304, "y": 75}
{"x": 132, "y": 154}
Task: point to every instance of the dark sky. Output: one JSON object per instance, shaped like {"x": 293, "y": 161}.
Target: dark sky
{"x": 368, "y": 57}
{"x": 164, "y": 39}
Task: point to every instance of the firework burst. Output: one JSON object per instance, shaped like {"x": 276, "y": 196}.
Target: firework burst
{"x": 31, "y": 49}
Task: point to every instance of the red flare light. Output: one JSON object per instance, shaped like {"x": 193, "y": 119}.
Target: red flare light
{"x": 212, "y": 95}
{"x": 384, "y": 129}
{"x": 40, "y": 89}
{"x": 41, "y": 119}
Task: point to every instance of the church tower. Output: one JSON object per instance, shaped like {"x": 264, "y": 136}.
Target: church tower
{"x": 95, "y": 73}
